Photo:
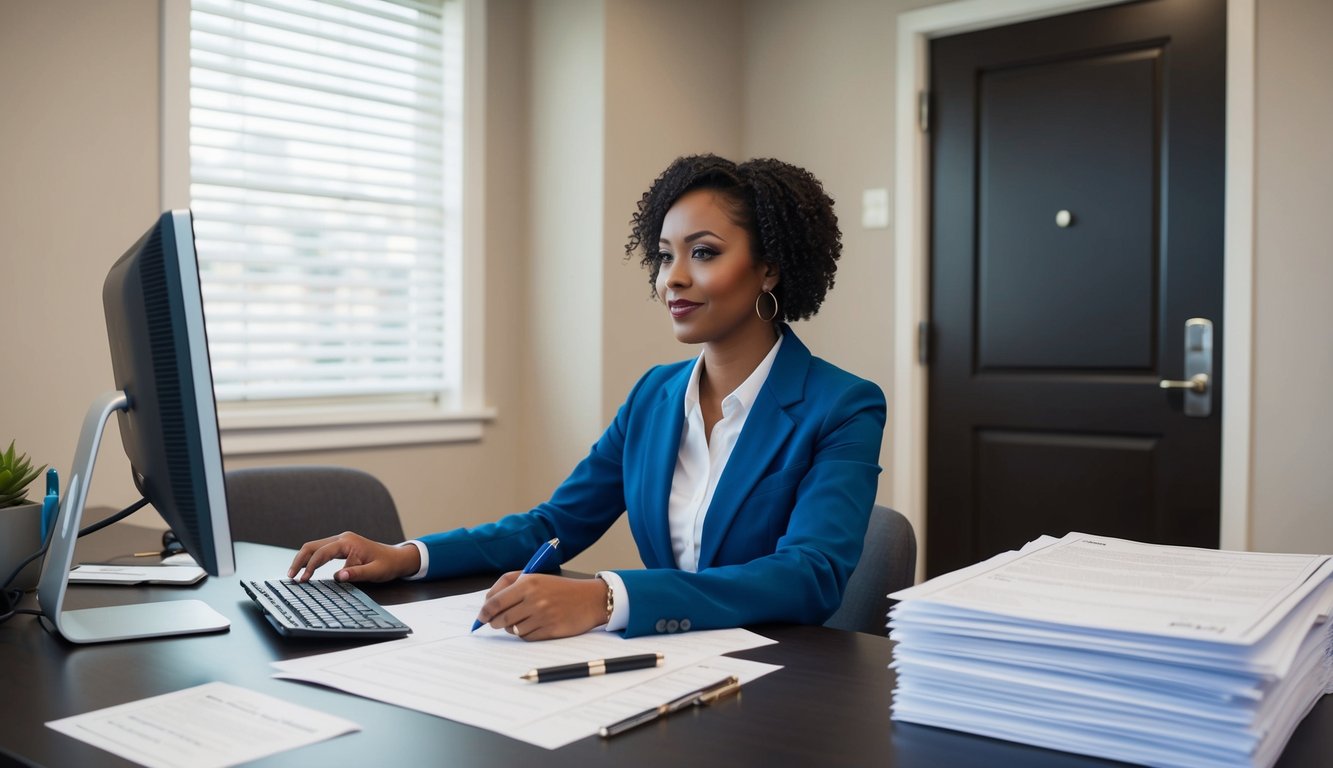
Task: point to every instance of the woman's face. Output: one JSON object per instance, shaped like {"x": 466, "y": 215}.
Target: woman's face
{"x": 707, "y": 278}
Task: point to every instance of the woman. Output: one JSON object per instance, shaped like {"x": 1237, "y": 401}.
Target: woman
{"x": 748, "y": 473}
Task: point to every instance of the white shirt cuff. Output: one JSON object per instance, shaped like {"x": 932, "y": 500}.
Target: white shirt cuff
{"x": 620, "y": 611}
{"x": 425, "y": 560}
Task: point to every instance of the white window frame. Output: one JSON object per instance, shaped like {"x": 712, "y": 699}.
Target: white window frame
{"x": 250, "y": 428}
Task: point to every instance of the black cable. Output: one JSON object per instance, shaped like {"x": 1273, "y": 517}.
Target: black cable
{"x": 9, "y": 598}
{"x": 116, "y": 518}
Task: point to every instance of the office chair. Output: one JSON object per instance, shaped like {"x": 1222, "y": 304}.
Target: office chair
{"x": 288, "y": 506}
{"x": 888, "y": 563}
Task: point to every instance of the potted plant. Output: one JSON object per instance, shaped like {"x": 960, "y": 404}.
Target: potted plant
{"x": 20, "y": 519}
{"x": 16, "y": 473}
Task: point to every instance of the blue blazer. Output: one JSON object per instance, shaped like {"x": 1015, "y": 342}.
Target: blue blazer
{"x": 785, "y": 526}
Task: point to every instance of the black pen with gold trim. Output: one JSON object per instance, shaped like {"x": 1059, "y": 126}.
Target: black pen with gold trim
{"x": 594, "y": 667}
{"x": 706, "y": 695}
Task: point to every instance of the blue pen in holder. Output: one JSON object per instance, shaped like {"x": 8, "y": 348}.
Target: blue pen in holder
{"x": 50, "y": 504}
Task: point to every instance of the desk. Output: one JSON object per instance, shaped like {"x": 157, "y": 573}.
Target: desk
{"x": 828, "y": 707}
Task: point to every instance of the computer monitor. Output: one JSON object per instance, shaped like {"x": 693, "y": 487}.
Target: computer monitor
{"x": 168, "y": 427}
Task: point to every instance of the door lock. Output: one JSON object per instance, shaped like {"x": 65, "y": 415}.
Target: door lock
{"x": 1198, "y": 368}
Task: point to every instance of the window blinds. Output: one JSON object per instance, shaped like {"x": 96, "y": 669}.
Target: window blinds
{"x": 322, "y": 183}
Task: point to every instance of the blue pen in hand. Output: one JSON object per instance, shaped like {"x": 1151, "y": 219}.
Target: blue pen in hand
{"x": 538, "y": 561}
{"x": 50, "y": 504}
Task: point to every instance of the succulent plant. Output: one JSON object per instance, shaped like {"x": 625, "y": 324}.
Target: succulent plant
{"x": 16, "y": 473}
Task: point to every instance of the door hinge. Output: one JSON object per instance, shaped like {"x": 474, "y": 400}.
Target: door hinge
{"x": 923, "y": 111}
{"x": 923, "y": 342}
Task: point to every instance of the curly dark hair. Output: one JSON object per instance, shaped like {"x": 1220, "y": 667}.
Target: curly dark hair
{"x": 784, "y": 208}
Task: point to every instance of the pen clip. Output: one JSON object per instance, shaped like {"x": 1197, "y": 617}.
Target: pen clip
{"x": 705, "y": 695}
{"x": 543, "y": 553}
{"x": 698, "y": 697}
{"x": 720, "y": 690}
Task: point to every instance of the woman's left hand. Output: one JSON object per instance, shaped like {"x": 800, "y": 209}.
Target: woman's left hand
{"x": 541, "y": 607}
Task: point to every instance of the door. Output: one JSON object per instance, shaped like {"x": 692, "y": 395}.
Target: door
{"x": 1077, "y": 167}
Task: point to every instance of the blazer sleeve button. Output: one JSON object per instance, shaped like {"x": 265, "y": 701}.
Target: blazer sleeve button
{"x": 661, "y": 625}
{"x": 673, "y": 625}
{"x": 684, "y": 625}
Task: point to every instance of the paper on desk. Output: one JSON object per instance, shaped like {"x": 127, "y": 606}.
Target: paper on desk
{"x": 209, "y": 726}
{"x": 181, "y": 575}
{"x": 441, "y": 617}
{"x": 558, "y": 730}
{"x": 1124, "y": 586}
{"x": 447, "y": 671}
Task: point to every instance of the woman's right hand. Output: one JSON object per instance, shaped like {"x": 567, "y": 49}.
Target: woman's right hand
{"x": 366, "y": 560}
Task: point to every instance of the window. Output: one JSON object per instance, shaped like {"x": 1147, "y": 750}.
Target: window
{"x": 323, "y": 163}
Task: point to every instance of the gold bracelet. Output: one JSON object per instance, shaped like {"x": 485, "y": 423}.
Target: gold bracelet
{"x": 610, "y": 597}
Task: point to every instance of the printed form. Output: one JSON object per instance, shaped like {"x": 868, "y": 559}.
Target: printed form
{"x": 474, "y": 678}
{"x": 209, "y": 726}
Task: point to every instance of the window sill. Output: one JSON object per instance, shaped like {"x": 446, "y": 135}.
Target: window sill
{"x": 291, "y": 430}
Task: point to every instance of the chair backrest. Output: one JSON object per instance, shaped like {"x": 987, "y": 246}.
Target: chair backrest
{"x": 288, "y": 506}
{"x": 888, "y": 563}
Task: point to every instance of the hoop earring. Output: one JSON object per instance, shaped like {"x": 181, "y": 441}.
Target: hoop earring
{"x": 770, "y": 295}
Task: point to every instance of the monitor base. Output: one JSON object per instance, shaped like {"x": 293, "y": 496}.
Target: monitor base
{"x": 117, "y": 622}
{"x": 133, "y": 622}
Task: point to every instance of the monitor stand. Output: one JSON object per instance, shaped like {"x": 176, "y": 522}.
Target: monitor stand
{"x": 117, "y": 622}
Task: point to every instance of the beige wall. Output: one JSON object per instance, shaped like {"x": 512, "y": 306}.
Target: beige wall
{"x": 587, "y": 101}
{"x": 78, "y": 185}
{"x": 819, "y": 92}
{"x": 561, "y": 393}
{"x": 673, "y": 87}
{"x": 620, "y": 88}
{"x": 1293, "y": 283}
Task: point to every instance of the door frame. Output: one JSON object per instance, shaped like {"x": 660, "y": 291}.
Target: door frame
{"x": 912, "y": 258}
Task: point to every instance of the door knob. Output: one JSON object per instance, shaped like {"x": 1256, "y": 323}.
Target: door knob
{"x": 1196, "y": 383}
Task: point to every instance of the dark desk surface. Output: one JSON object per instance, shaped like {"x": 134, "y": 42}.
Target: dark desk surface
{"x": 829, "y": 705}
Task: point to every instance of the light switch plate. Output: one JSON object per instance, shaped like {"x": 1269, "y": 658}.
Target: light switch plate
{"x": 875, "y": 208}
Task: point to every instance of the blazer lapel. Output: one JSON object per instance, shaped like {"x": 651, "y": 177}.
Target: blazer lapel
{"x": 765, "y": 432}
{"x": 663, "y": 446}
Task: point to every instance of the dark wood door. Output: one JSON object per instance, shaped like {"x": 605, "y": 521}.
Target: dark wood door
{"x": 1050, "y": 331}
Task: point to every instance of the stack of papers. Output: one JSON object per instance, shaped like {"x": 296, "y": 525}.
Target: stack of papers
{"x": 1165, "y": 656}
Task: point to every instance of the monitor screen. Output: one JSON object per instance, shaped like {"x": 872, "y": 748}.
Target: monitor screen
{"x": 159, "y": 358}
